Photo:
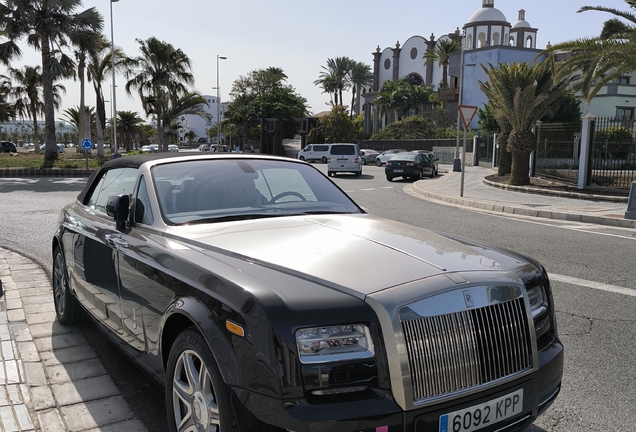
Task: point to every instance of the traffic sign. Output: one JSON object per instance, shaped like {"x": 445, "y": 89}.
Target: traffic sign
{"x": 467, "y": 113}
{"x": 87, "y": 144}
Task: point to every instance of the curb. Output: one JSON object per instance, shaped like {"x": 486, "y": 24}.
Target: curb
{"x": 538, "y": 191}
{"x": 45, "y": 172}
{"x": 599, "y": 220}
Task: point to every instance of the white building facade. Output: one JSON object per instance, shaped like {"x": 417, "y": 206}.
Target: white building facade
{"x": 201, "y": 125}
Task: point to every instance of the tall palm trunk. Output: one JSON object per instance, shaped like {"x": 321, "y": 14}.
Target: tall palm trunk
{"x": 100, "y": 111}
{"x": 522, "y": 144}
{"x": 82, "y": 106}
{"x": 34, "y": 116}
{"x": 505, "y": 158}
{"x": 50, "y": 149}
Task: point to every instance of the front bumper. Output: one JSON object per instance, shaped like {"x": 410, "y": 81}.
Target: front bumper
{"x": 378, "y": 412}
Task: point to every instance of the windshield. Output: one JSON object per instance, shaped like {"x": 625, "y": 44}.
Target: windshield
{"x": 214, "y": 190}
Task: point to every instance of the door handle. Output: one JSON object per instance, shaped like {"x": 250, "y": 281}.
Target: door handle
{"x": 116, "y": 241}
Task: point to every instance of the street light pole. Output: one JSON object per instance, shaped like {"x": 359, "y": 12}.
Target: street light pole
{"x": 113, "y": 142}
{"x": 218, "y": 102}
{"x": 457, "y": 164}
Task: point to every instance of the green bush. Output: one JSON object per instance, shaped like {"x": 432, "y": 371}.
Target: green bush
{"x": 614, "y": 142}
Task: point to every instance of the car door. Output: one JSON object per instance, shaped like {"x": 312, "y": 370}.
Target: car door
{"x": 146, "y": 287}
{"x": 94, "y": 275}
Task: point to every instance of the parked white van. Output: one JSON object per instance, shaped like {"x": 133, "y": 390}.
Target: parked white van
{"x": 314, "y": 152}
{"x": 344, "y": 157}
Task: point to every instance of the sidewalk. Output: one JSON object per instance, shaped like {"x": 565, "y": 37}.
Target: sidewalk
{"x": 50, "y": 380}
{"x": 477, "y": 194}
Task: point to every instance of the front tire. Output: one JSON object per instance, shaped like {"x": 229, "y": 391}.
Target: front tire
{"x": 197, "y": 399}
{"x": 302, "y": 158}
{"x": 324, "y": 159}
{"x": 67, "y": 309}
{"x": 378, "y": 162}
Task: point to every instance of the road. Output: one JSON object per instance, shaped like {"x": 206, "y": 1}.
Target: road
{"x": 591, "y": 268}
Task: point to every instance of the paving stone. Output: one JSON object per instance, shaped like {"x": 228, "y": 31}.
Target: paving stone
{"x": 28, "y": 351}
{"x": 8, "y": 419}
{"x": 34, "y": 372}
{"x": 24, "y": 419}
{"x": 51, "y": 421}
{"x": 21, "y": 331}
{"x": 40, "y": 318}
{"x": 96, "y": 414}
{"x": 8, "y": 351}
{"x": 84, "y": 390}
{"x": 67, "y": 355}
{"x": 42, "y": 398}
{"x": 50, "y": 329}
{"x": 60, "y": 341}
{"x": 75, "y": 371}
{"x": 16, "y": 315}
{"x": 32, "y": 308}
{"x": 128, "y": 426}
{"x": 14, "y": 303}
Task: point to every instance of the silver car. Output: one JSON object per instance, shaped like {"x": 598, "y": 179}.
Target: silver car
{"x": 386, "y": 155}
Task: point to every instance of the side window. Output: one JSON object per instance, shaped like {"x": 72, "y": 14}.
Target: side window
{"x": 117, "y": 181}
{"x": 143, "y": 211}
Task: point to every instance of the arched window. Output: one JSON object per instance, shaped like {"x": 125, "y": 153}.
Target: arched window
{"x": 529, "y": 42}
{"x": 482, "y": 40}
{"x": 495, "y": 38}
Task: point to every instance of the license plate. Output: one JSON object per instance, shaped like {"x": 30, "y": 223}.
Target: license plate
{"x": 398, "y": 170}
{"x": 483, "y": 415}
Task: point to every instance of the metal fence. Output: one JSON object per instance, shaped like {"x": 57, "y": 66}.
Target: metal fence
{"x": 558, "y": 149}
{"x": 612, "y": 158}
{"x": 613, "y": 153}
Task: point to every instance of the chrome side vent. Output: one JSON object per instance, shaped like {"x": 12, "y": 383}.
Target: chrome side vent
{"x": 455, "y": 352}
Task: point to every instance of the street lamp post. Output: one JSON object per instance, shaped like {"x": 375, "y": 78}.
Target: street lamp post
{"x": 457, "y": 164}
{"x": 113, "y": 142}
{"x": 218, "y": 102}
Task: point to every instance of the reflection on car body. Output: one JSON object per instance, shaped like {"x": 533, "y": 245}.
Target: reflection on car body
{"x": 241, "y": 282}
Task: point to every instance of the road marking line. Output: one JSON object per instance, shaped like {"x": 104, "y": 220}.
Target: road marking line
{"x": 595, "y": 285}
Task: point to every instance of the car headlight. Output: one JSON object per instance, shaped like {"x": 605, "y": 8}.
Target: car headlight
{"x": 334, "y": 343}
{"x": 538, "y": 300}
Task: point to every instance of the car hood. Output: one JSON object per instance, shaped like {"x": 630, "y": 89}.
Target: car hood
{"x": 360, "y": 252}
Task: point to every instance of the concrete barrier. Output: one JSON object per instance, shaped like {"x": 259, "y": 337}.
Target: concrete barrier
{"x": 631, "y": 203}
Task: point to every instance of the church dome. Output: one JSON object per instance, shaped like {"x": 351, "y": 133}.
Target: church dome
{"x": 487, "y": 14}
{"x": 521, "y": 24}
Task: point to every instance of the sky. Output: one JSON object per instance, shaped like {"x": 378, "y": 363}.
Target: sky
{"x": 299, "y": 36}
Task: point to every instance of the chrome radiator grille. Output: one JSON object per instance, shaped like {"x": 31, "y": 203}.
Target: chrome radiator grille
{"x": 455, "y": 352}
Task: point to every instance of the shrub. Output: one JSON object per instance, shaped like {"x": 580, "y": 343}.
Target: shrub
{"x": 614, "y": 142}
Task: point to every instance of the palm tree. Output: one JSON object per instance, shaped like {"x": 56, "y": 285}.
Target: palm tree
{"x": 168, "y": 110}
{"x": 85, "y": 43}
{"x": 128, "y": 127}
{"x": 159, "y": 74}
{"x": 240, "y": 115}
{"x": 190, "y": 136}
{"x": 360, "y": 75}
{"x": 335, "y": 76}
{"x": 47, "y": 27}
{"x": 7, "y": 109}
{"x": 602, "y": 59}
{"x": 28, "y": 95}
{"x": 98, "y": 66}
{"x": 72, "y": 116}
{"x": 521, "y": 95}
{"x": 441, "y": 55}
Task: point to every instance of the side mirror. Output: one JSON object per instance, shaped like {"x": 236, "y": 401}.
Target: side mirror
{"x": 118, "y": 207}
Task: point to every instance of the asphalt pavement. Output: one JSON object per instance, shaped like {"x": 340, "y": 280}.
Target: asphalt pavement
{"x": 51, "y": 380}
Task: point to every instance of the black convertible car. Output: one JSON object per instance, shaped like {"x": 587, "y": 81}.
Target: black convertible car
{"x": 241, "y": 282}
